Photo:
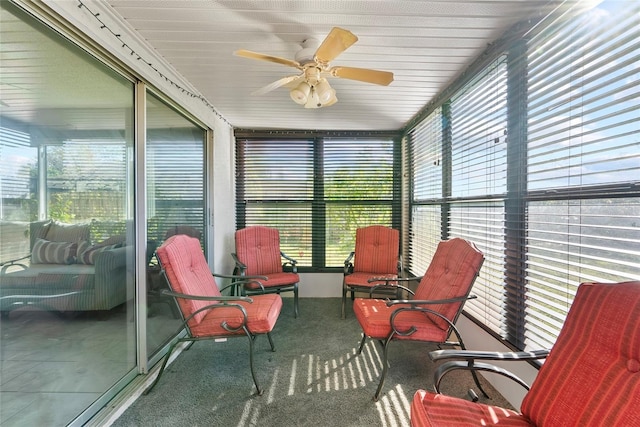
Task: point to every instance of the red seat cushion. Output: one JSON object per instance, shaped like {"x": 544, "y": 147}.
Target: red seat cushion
{"x": 592, "y": 375}
{"x": 374, "y": 318}
{"x": 430, "y": 409}
{"x": 262, "y": 315}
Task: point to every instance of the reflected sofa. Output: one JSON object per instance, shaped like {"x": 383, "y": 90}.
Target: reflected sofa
{"x": 63, "y": 267}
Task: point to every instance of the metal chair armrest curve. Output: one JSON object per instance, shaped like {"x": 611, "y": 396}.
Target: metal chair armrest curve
{"x": 447, "y": 367}
{"x": 471, "y": 355}
{"x": 413, "y": 302}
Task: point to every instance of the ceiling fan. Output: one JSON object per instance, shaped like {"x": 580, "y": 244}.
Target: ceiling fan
{"x": 310, "y": 87}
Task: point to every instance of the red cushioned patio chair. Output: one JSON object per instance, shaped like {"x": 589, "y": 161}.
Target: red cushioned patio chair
{"x": 436, "y": 304}
{"x": 376, "y": 255}
{"x": 591, "y": 376}
{"x": 207, "y": 314}
{"x": 258, "y": 254}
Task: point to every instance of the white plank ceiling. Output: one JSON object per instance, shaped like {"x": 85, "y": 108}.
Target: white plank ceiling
{"x": 426, "y": 44}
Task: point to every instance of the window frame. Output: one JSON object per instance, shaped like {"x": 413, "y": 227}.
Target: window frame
{"x": 318, "y": 202}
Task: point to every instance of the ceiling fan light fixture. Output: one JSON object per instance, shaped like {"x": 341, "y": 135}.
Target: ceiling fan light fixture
{"x": 325, "y": 92}
{"x": 300, "y": 93}
{"x": 314, "y": 100}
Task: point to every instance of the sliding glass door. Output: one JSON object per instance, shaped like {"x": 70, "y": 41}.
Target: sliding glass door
{"x": 66, "y": 229}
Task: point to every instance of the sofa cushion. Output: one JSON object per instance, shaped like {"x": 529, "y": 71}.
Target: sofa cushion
{"x": 60, "y": 232}
{"x": 46, "y": 252}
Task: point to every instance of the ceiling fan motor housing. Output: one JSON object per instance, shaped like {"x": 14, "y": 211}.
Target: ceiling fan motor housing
{"x": 308, "y": 51}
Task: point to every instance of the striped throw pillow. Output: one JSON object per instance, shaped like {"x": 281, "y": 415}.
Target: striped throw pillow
{"x": 46, "y": 252}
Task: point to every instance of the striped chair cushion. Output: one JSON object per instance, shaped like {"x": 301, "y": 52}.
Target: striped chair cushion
{"x": 376, "y": 250}
{"x": 592, "y": 376}
{"x": 430, "y": 409}
{"x": 188, "y": 273}
{"x": 450, "y": 274}
{"x": 374, "y": 315}
{"x": 258, "y": 248}
{"x": 262, "y": 315}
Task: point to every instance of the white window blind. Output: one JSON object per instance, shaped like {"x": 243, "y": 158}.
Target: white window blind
{"x": 427, "y": 164}
{"x": 583, "y": 212}
{"x": 478, "y": 183}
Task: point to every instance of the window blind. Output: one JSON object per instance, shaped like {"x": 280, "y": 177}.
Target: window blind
{"x": 317, "y": 192}
{"x": 427, "y": 165}
{"x": 18, "y": 161}
{"x": 583, "y": 161}
{"x": 478, "y": 184}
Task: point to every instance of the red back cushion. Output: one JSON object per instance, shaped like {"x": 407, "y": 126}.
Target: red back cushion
{"x": 592, "y": 376}
{"x": 377, "y": 250}
{"x": 451, "y": 274}
{"x": 258, "y": 248}
{"x": 188, "y": 273}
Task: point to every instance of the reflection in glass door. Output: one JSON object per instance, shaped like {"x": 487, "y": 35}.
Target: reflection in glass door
{"x": 175, "y": 205}
{"x": 66, "y": 233}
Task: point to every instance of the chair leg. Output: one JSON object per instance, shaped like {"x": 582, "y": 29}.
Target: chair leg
{"x": 344, "y": 299}
{"x": 273, "y": 348}
{"x": 364, "y": 338}
{"x": 477, "y": 381}
{"x": 473, "y": 373}
{"x": 385, "y": 368}
{"x": 164, "y": 364}
{"x": 295, "y": 300}
{"x": 253, "y": 372}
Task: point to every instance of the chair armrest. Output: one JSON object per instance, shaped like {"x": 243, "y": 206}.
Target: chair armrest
{"x": 467, "y": 360}
{"x": 222, "y": 298}
{"x": 471, "y": 355}
{"x": 237, "y": 281}
{"x": 290, "y": 261}
{"x": 373, "y": 289}
{"x": 239, "y": 278}
{"x": 218, "y": 301}
{"x": 397, "y": 279}
{"x": 348, "y": 265}
{"x": 13, "y": 263}
{"x": 107, "y": 261}
{"x": 414, "y": 302}
{"x": 392, "y": 285}
{"x": 288, "y": 258}
{"x": 240, "y": 267}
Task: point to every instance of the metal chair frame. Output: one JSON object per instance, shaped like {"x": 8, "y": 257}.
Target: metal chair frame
{"x": 217, "y": 302}
{"x": 416, "y": 305}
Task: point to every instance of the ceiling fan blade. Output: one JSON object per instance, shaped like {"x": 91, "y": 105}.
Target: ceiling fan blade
{"x": 278, "y": 83}
{"x": 366, "y": 75}
{"x": 260, "y": 56}
{"x": 336, "y": 42}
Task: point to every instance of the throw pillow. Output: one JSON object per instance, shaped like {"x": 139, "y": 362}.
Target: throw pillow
{"x": 89, "y": 253}
{"x": 46, "y": 252}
